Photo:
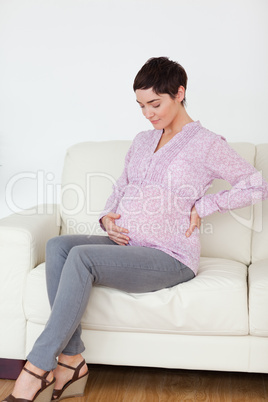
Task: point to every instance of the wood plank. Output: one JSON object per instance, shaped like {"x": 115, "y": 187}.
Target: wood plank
{"x": 139, "y": 384}
{"x": 6, "y": 387}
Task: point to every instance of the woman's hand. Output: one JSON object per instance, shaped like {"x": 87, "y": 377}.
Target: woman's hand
{"x": 195, "y": 221}
{"x": 114, "y": 231}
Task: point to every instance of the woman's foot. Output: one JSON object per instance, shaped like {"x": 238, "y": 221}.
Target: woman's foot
{"x": 63, "y": 374}
{"x": 26, "y": 385}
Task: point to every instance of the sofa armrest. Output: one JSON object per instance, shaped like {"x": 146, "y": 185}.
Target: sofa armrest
{"x": 23, "y": 238}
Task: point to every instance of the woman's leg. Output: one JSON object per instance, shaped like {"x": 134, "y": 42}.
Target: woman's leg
{"x": 132, "y": 269}
{"x": 127, "y": 268}
{"x": 57, "y": 251}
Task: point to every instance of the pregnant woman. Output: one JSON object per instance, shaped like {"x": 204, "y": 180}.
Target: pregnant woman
{"x": 152, "y": 219}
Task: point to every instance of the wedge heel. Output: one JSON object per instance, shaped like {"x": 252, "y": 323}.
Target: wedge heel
{"x": 75, "y": 387}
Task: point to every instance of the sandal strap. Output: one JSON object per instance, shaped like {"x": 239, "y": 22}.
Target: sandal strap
{"x": 42, "y": 378}
{"x": 76, "y": 369}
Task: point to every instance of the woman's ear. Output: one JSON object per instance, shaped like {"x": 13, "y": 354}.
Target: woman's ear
{"x": 180, "y": 94}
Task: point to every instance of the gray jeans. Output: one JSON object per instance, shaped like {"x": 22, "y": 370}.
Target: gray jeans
{"x": 73, "y": 264}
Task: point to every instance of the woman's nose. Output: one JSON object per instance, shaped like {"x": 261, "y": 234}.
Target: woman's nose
{"x": 148, "y": 113}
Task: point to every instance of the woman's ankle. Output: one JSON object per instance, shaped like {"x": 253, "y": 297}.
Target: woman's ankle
{"x": 27, "y": 385}
{"x": 70, "y": 360}
{"x": 36, "y": 370}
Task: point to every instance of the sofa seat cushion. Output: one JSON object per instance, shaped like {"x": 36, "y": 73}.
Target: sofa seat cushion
{"x": 258, "y": 298}
{"x": 213, "y": 303}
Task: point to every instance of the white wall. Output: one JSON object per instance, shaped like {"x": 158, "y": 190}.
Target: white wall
{"x": 67, "y": 67}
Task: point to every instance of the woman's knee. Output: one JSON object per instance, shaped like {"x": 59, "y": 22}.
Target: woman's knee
{"x": 56, "y": 244}
{"x": 79, "y": 258}
{"x": 57, "y": 250}
{"x": 76, "y": 254}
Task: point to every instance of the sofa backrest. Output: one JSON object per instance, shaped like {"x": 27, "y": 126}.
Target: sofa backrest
{"x": 91, "y": 168}
{"x": 260, "y": 227}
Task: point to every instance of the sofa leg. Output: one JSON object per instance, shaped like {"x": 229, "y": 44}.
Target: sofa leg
{"x": 10, "y": 368}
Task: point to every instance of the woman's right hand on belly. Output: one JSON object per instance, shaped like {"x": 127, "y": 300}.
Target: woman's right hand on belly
{"x": 115, "y": 233}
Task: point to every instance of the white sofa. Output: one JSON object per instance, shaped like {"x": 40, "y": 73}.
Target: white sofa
{"x": 217, "y": 321}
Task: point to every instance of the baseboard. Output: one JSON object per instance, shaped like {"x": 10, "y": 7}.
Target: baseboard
{"x": 10, "y": 368}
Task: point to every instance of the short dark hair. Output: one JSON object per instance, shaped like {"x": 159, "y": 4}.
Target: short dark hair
{"x": 164, "y": 76}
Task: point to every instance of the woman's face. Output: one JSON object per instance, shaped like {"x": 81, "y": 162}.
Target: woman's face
{"x": 161, "y": 110}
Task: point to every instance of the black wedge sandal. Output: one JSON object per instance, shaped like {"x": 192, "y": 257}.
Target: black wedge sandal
{"x": 43, "y": 395}
{"x": 75, "y": 387}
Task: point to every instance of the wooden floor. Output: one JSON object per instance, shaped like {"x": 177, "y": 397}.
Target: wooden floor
{"x": 137, "y": 384}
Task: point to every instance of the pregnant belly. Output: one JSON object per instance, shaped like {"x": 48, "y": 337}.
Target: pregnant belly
{"x": 155, "y": 229}
{"x": 154, "y": 220}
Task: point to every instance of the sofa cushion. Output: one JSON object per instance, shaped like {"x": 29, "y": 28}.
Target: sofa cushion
{"x": 258, "y": 298}
{"x": 213, "y": 303}
{"x": 90, "y": 170}
{"x": 260, "y": 232}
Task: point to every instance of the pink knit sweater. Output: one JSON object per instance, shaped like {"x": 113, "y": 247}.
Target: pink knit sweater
{"x": 157, "y": 190}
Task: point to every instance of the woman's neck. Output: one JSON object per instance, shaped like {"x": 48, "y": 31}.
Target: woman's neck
{"x": 182, "y": 119}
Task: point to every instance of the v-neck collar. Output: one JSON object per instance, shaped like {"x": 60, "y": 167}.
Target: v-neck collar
{"x": 179, "y": 136}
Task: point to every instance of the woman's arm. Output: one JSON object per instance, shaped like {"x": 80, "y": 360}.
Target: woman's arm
{"x": 248, "y": 185}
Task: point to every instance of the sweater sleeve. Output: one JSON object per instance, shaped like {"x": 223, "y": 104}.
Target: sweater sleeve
{"x": 118, "y": 189}
{"x": 248, "y": 185}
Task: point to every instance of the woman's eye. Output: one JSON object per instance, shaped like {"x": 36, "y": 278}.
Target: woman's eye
{"x": 156, "y": 106}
